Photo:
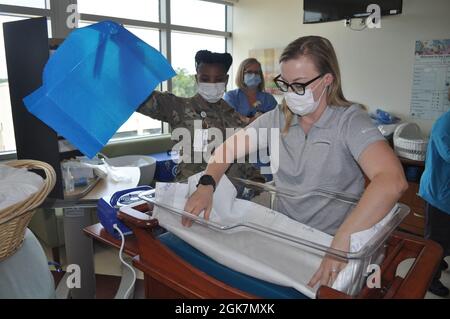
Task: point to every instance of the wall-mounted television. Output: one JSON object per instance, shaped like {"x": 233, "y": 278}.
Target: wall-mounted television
{"x": 316, "y": 11}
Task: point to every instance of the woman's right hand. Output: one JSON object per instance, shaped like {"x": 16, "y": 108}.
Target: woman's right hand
{"x": 200, "y": 200}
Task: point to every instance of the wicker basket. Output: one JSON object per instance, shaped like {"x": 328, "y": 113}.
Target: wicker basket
{"x": 15, "y": 219}
{"x": 409, "y": 142}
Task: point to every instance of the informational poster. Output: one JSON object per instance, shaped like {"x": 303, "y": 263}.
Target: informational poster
{"x": 431, "y": 79}
{"x": 270, "y": 66}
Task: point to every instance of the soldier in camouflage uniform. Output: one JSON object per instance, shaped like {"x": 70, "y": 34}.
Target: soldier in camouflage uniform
{"x": 182, "y": 112}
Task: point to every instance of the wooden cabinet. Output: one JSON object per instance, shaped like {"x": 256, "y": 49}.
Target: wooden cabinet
{"x": 415, "y": 221}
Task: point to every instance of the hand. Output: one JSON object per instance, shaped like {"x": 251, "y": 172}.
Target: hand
{"x": 331, "y": 265}
{"x": 244, "y": 119}
{"x": 254, "y": 117}
{"x": 251, "y": 119}
{"x": 200, "y": 200}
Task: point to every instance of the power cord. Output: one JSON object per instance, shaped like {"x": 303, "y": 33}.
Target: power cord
{"x": 127, "y": 293}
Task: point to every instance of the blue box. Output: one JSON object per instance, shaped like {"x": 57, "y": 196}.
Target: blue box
{"x": 166, "y": 166}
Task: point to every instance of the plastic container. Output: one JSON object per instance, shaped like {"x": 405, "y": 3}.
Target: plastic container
{"x": 146, "y": 164}
{"x": 271, "y": 247}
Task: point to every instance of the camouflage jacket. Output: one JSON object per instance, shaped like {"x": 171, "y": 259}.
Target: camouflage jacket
{"x": 182, "y": 112}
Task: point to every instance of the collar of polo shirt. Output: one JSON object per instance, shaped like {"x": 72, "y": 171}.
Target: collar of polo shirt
{"x": 325, "y": 121}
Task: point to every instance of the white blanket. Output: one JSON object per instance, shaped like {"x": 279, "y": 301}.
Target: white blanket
{"x": 252, "y": 252}
{"x": 16, "y": 185}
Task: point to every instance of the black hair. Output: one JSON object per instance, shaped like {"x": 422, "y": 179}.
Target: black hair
{"x": 208, "y": 57}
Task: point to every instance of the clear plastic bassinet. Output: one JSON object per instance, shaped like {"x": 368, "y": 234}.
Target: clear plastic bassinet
{"x": 270, "y": 246}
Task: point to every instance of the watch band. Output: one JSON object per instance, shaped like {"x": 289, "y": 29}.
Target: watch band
{"x": 207, "y": 180}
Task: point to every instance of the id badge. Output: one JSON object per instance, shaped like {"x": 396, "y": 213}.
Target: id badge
{"x": 200, "y": 140}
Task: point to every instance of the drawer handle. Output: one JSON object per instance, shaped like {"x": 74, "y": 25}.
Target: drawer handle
{"x": 418, "y": 215}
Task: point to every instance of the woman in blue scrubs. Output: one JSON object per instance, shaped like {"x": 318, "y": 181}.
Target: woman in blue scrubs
{"x": 435, "y": 190}
{"x": 249, "y": 99}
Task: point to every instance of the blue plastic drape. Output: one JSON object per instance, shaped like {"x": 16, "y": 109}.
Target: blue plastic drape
{"x": 94, "y": 82}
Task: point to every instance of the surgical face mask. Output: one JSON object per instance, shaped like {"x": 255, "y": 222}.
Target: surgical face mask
{"x": 252, "y": 80}
{"x": 302, "y": 104}
{"x": 211, "y": 92}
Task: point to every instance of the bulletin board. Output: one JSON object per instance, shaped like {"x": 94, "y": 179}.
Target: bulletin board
{"x": 431, "y": 79}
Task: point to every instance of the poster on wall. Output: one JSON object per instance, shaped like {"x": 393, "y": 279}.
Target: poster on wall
{"x": 431, "y": 79}
{"x": 270, "y": 66}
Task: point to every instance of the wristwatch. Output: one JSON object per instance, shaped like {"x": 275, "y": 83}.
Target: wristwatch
{"x": 207, "y": 180}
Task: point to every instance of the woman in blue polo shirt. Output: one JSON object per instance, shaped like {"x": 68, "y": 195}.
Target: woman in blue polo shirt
{"x": 249, "y": 99}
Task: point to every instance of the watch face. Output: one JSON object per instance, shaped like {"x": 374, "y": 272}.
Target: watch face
{"x": 207, "y": 180}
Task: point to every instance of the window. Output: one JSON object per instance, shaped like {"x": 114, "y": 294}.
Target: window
{"x": 199, "y": 14}
{"x": 184, "y": 48}
{"x": 145, "y": 10}
{"x": 138, "y": 125}
{"x": 187, "y": 33}
{"x": 42, "y": 4}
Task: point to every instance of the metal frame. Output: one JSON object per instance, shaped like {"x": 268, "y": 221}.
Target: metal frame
{"x": 27, "y": 11}
{"x": 58, "y": 15}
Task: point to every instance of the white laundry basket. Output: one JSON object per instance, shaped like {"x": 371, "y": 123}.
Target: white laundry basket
{"x": 409, "y": 142}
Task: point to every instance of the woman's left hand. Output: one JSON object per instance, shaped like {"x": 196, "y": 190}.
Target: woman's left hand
{"x": 244, "y": 119}
{"x": 331, "y": 265}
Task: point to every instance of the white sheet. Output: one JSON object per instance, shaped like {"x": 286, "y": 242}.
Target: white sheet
{"x": 16, "y": 185}
{"x": 251, "y": 252}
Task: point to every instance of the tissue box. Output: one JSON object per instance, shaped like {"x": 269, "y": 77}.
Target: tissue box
{"x": 166, "y": 166}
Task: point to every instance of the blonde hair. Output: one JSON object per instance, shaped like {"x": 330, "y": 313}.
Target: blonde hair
{"x": 241, "y": 70}
{"x": 321, "y": 52}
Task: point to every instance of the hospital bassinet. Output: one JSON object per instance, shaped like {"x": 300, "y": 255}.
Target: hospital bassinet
{"x": 15, "y": 219}
{"x": 164, "y": 266}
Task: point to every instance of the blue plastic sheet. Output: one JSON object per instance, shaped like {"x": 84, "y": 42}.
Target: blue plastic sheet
{"x": 381, "y": 117}
{"x": 94, "y": 82}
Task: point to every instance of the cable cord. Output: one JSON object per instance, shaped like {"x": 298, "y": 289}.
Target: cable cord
{"x": 127, "y": 293}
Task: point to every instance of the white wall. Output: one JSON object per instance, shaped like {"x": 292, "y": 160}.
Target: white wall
{"x": 376, "y": 64}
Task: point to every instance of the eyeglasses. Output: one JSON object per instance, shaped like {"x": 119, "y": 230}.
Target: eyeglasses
{"x": 298, "y": 88}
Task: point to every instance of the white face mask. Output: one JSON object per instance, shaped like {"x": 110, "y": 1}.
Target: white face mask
{"x": 302, "y": 104}
{"x": 211, "y": 92}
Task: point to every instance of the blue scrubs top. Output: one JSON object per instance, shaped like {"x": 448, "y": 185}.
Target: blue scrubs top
{"x": 238, "y": 100}
{"x": 435, "y": 181}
